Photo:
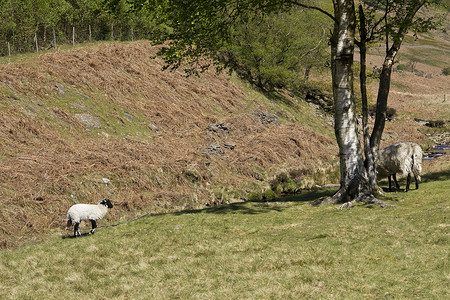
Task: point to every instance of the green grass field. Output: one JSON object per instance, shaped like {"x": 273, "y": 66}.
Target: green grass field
{"x": 285, "y": 249}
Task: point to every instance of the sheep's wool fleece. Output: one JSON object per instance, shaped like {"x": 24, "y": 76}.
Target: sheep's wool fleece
{"x": 83, "y": 212}
{"x": 401, "y": 157}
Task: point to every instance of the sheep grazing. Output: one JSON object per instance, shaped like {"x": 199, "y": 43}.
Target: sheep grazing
{"x": 404, "y": 157}
{"x": 85, "y": 212}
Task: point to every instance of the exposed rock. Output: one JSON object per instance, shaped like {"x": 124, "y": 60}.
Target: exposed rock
{"x": 153, "y": 127}
{"x": 220, "y": 129}
{"x": 61, "y": 89}
{"x": 229, "y": 146}
{"x": 317, "y": 97}
{"x": 419, "y": 73}
{"x": 441, "y": 139}
{"x": 128, "y": 117}
{"x": 430, "y": 123}
{"x": 83, "y": 96}
{"x": 214, "y": 149}
{"x": 266, "y": 117}
{"x": 386, "y": 136}
{"x": 88, "y": 120}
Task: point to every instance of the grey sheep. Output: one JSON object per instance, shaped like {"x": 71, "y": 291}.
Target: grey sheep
{"x": 87, "y": 212}
{"x": 403, "y": 157}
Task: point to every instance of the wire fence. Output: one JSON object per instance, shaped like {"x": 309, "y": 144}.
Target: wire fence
{"x": 45, "y": 39}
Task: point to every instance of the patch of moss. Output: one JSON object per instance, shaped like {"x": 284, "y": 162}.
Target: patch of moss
{"x": 254, "y": 196}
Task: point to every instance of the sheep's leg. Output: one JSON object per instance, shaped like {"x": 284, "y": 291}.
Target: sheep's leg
{"x": 390, "y": 183}
{"x": 94, "y": 225}
{"x": 76, "y": 230}
{"x": 69, "y": 223}
{"x": 408, "y": 181}
{"x": 417, "y": 182}
{"x": 396, "y": 182}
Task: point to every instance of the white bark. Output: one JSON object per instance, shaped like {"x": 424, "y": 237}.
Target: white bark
{"x": 345, "y": 114}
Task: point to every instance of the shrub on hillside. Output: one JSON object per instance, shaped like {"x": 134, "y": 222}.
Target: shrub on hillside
{"x": 446, "y": 71}
{"x": 271, "y": 51}
{"x": 289, "y": 182}
{"x": 390, "y": 112}
{"x": 319, "y": 93}
{"x": 401, "y": 67}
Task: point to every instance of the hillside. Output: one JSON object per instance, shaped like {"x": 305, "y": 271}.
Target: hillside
{"x": 71, "y": 118}
{"x": 75, "y": 118}
{"x": 419, "y": 90}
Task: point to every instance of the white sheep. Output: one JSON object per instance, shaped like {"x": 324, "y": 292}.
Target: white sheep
{"x": 85, "y": 212}
{"x": 403, "y": 157}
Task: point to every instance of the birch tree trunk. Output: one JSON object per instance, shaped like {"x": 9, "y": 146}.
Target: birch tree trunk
{"x": 369, "y": 159}
{"x": 344, "y": 104}
{"x": 354, "y": 185}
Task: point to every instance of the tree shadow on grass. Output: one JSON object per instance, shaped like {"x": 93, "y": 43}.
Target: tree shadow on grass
{"x": 247, "y": 207}
{"x": 278, "y": 98}
{"x": 262, "y": 206}
{"x": 436, "y": 176}
{"x": 429, "y": 177}
{"x": 71, "y": 236}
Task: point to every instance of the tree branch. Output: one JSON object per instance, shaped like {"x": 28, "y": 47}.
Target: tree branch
{"x": 314, "y": 8}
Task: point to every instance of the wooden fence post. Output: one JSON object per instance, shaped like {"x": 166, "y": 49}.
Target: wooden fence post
{"x": 9, "y": 49}
{"x": 36, "y": 40}
{"x": 54, "y": 38}
{"x": 73, "y": 35}
{"x": 90, "y": 34}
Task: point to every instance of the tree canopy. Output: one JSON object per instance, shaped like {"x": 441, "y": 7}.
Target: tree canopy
{"x": 272, "y": 51}
{"x": 23, "y": 20}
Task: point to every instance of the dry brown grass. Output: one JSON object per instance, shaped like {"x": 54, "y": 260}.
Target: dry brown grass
{"x": 49, "y": 160}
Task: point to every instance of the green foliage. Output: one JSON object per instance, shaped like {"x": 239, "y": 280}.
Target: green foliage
{"x": 23, "y": 19}
{"x": 269, "y": 195}
{"x": 395, "y": 18}
{"x": 273, "y": 50}
{"x": 288, "y": 183}
{"x": 446, "y": 71}
{"x": 401, "y": 67}
{"x": 254, "y": 196}
{"x": 217, "y": 29}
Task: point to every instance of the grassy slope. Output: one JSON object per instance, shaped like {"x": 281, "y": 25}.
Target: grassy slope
{"x": 283, "y": 249}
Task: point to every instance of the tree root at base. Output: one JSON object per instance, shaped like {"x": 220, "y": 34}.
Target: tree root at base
{"x": 355, "y": 191}
{"x": 368, "y": 199}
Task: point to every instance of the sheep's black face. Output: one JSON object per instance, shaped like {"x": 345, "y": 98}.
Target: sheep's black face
{"x": 107, "y": 203}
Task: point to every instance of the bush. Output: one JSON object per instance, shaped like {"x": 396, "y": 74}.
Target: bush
{"x": 269, "y": 195}
{"x": 390, "y": 112}
{"x": 401, "y": 67}
{"x": 254, "y": 196}
{"x": 446, "y": 71}
{"x": 273, "y": 50}
{"x": 283, "y": 183}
